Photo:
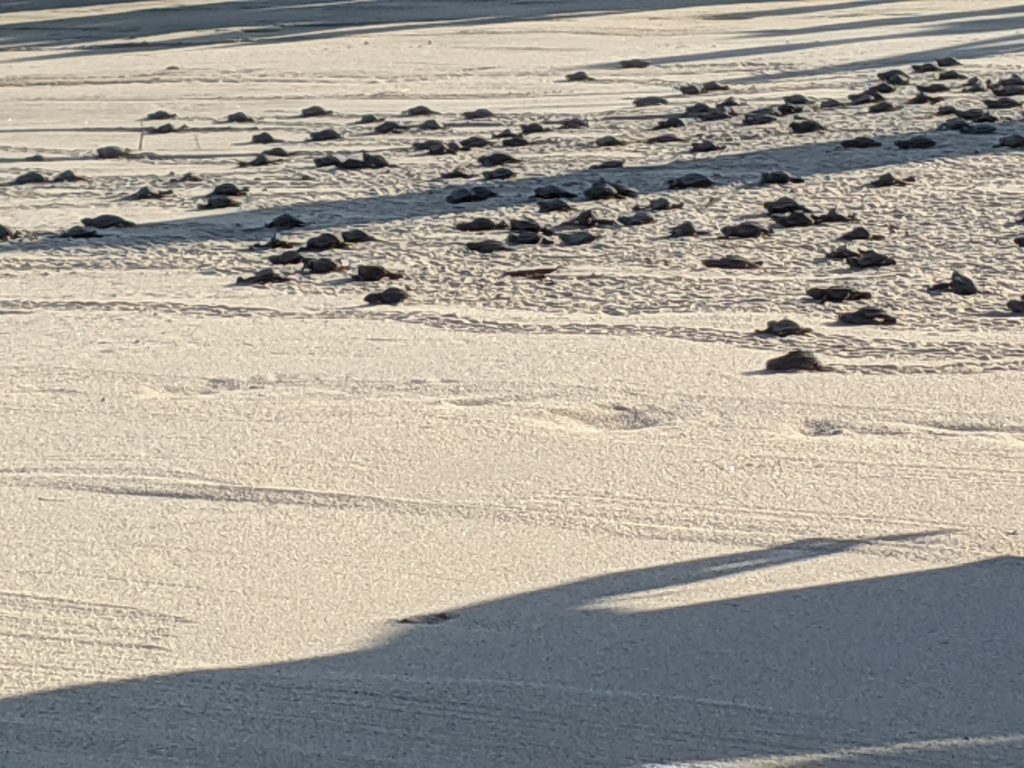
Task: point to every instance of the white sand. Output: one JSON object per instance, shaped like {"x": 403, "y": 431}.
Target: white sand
{"x": 216, "y": 502}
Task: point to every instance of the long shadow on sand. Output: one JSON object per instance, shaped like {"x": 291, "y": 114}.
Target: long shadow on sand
{"x": 919, "y": 669}
{"x": 270, "y": 21}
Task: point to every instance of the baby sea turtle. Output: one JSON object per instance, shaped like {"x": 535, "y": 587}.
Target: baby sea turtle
{"x": 607, "y": 165}
{"x": 915, "y": 142}
{"x": 262, "y": 277}
{"x": 391, "y": 296}
{"x": 664, "y": 138}
{"x": 474, "y": 142}
{"x": 1016, "y": 305}
{"x": 837, "y": 293}
{"x": 959, "y": 283}
{"x": 732, "y": 262}
{"x": 107, "y": 221}
{"x": 881, "y": 107}
{"x": 285, "y": 221}
{"x": 888, "y": 180}
{"x": 579, "y": 237}
{"x": 551, "y": 191}
{"x": 367, "y": 119}
{"x": 690, "y": 181}
{"x": 524, "y": 237}
{"x": 832, "y": 216}
{"x": 79, "y": 232}
{"x": 419, "y": 111}
{"x": 894, "y": 77}
{"x": 389, "y": 126}
{"x": 319, "y": 265}
{"x": 573, "y": 123}
{"x": 668, "y": 123}
{"x": 925, "y": 67}
{"x": 685, "y": 229}
{"x": 371, "y": 273}
{"x": 528, "y": 129}
{"x": 285, "y": 257}
{"x": 326, "y": 134}
{"x": 496, "y": 158}
{"x": 636, "y": 219}
{"x": 657, "y": 204}
{"x": 148, "y": 193}
{"x": 357, "y": 236}
{"x": 860, "y": 142}
{"x": 486, "y": 246}
{"x": 498, "y": 174}
{"x": 160, "y": 114}
{"x": 1013, "y": 141}
{"x": 793, "y": 219}
{"x": 952, "y": 75}
{"x": 745, "y": 229}
{"x": 713, "y": 86}
{"x": 239, "y": 117}
{"x": 480, "y": 224}
{"x": 430, "y": 125}
{"x": 515, "y": 141}
{"x": 650, "y": 101}
{"x": 6, "y": 233}
{"x": 230, "y": 189}
{"x": 634, "y": 64}
{"x": 585, "y": 219}
{"x": 758, "y": 118}
{"x": 829, "y": 104}
{"x": 553, "y": 206}
{"x": 264, "y": 138}
{"x": 478, "y": 114}
{"x": 166, "y": 128}
{"x": 533, "y": 273}
{"x": 705, "y": 145}
{"x": 782, "y": 328}
{"x": 578, "y": 77}
{"x": 111, "y": 153}
{"x": 315, "y": 111}
{"x": 779, "y": 177}
{"x": 609, "y": 141}
{"x": 869, "y": 260}
{"x": 858, "y": 233}
{"x": 867, "y": 316}
{"x": 784, "y": 205}
{"x": 470, "y": 195}
{"x": 795, "y": 360}
{"x": 214, "y": 202}
{"x": 323, "y": 242}
{"x": 436, "y": 147}
{"x": 1003, "y": 102}
{"x": 29, "y": 177}
{"x": 805, "y": 126}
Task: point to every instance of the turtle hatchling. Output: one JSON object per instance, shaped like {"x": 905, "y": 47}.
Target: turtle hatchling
{"x": 959, "y": 283}
{"x": 391, "y": 296}
{"x": 795, "y": 360}
{"x": 107, "y": 221}
{"x": 867, "y": 316}
{"x": 782, "y": 328}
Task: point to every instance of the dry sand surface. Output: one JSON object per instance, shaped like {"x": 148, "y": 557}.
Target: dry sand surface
{"x": 560, "y": 523}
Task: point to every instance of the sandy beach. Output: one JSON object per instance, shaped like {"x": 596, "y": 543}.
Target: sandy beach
{"x": 567, "y": 521}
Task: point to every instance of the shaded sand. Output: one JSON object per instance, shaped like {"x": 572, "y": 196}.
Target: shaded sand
{"x": 508, "y": 523}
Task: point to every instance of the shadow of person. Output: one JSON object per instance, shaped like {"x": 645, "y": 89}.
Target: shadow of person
{"x": 922, "y": 668}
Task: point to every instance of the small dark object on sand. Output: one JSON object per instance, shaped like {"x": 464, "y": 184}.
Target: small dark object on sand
{"x": 326, "y": 134}
{"x": 214, "y": 202}
{"x": 478, "y": 114}
{"x": 532, "y": 273}
{"x": 745, "y": 229}
{"x": 357, "y": 236}
{"x": 959, "y": 283}
{"x": 888, "y": 180}
{"x": 779, "y": 177}
{"x": 111, "y": 153}
{"x": 239, "y": 117}
{"x": 285, "y": 257}
{"x": 1016, "y": 305}
{"x": 858, "y": 233}
{"x": 107, "y": 221}
{"x": 263, "y": 138}
{"x": 867, "y": 316}
{"x": 285, "y": 221}
{"x": 319, "y": 265}
{"x": 79, "y": 232}
{"x": 315, "y": 111}
{"x": 479, "y": 224}
{"x": 581, "y": 237}
{"x": 160, "y": 114}
{"x": 782, "y": 328}
{"x": 391, "y": 296}
{"x": 29, "y": 177}
{"x": 685, "y": 229}
{"x": 869, "y": 260}
{"x": 262, "y": 277}
{"x": 860, "y": 142}
{"x": 805, "y": 126}
{"x": 323, "y": 242}
{"x": 636, "y": 219}
{"x": 487, "y": 246}
{"x": 797, "y": 360}
{"x": 732, "y": 262}
{"x": 148, "y": 193}
{"x": 369, "y": 273}
{"x": 837, "y": 293}
{"x": 916, "y": 142}
{"x": 634, "y": 64}
{"x": 578, "y": 77}
{"x": 470, "y": 195}
{"x": 690, "y": 181}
